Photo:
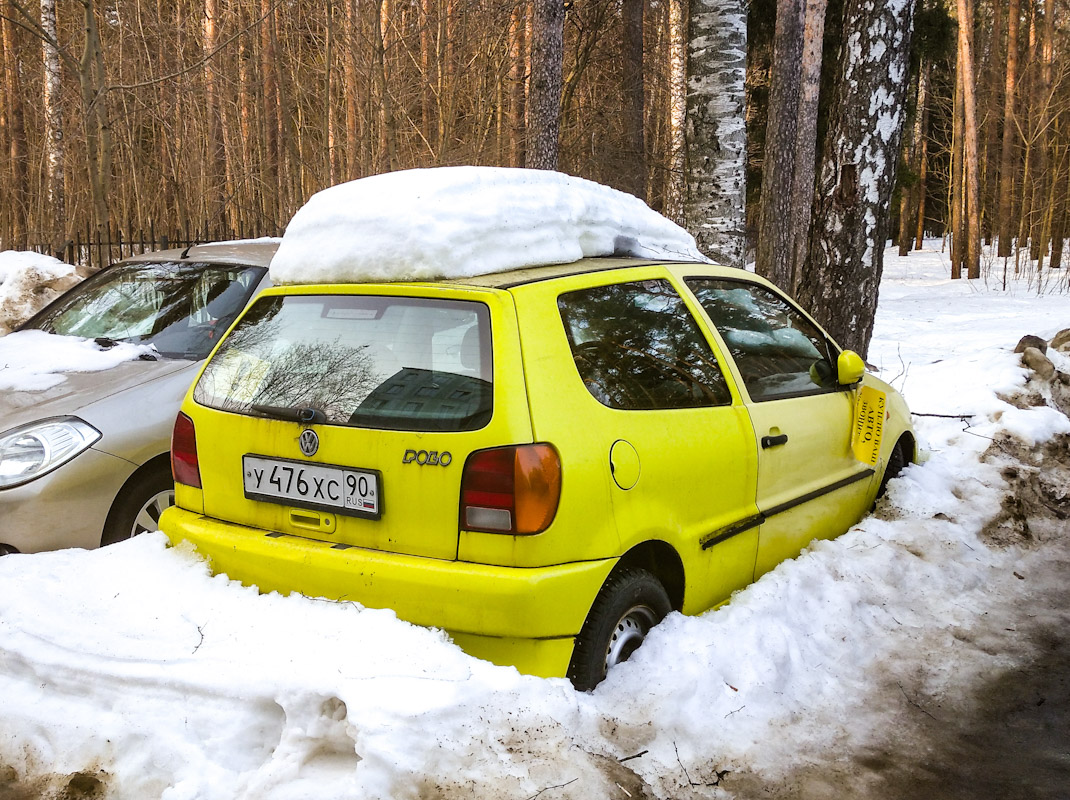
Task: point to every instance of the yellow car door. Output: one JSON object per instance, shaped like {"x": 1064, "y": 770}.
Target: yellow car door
{"x": 810, "y": 484}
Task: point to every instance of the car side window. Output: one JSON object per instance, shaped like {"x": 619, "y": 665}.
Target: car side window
{"x": 779, "y": 352}
{"x": 636, "y": 346}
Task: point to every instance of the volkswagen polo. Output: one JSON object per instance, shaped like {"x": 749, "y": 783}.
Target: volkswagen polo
{"x": 543, "y": 462}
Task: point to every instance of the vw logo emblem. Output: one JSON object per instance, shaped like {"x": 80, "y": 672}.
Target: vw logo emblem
{"x": 309, "y": 442}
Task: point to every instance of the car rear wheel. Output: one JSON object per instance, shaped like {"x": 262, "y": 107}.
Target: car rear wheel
{"x": 631, "y": 603}
{"x": 139, "y": 506}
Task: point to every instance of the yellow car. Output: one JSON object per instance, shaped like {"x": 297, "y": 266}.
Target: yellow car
{"x": 543, "y": 462}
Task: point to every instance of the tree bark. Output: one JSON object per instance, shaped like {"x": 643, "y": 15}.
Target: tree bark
{"x": 858, "y": 164}
{"x": 215, "y": 162}
{"x": 716, "y": 129}
{"x": 676, "y": 185}
{"x": 633, "y": 177}
{"x": 16, "y": 193}
{"x": 270, "y": 113}
{"x": 972, "y": 187}
{"x": 53, "y": 114}
{"x": 517, "y": 83}
{"x": 775, "y": 248}
{"x": 544, "y": 94}
{"x": 806, "y": 153}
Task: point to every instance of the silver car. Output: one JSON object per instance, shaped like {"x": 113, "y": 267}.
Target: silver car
{"x": 85, "y": 463}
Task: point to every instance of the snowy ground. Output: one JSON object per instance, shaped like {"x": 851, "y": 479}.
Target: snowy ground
{"x": 129, "y": 672}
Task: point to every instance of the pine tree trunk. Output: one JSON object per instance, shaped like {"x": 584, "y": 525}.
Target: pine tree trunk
{"x": 716, "y": 129}
{"x": 972, "y": 249}
{"x": 806, "y": 153}
{"x": 54, "y": 140}
{"x": 1006, "y": 161}
{"x": 675, "y": 191}
{"x": 270, "y": 113}
{"x": 544, "y": 95}
{"x": 858, "y": 163}
{"x": 775, "y": 248}
{"x": 517, "y": 94}
{"x": 633, "y": 177}
{"x": 215, "y": 166}
{"x": 353, "y": 161}
{"x": 15, "y": 195}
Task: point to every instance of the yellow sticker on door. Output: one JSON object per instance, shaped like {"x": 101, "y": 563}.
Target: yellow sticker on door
{"x": 869, "y": 425}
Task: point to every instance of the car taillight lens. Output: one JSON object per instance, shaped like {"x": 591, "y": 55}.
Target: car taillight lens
{"x": 184, "y": 465}
{"x": 511, "y": 489}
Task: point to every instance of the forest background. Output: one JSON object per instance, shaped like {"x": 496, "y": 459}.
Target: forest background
{"x": 219, "y": 118}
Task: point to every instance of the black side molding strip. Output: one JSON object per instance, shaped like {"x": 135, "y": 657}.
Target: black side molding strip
{"x": 747, "y": 524}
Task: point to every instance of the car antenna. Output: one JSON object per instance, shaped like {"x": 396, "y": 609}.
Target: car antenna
{"x": 185, "y": 253}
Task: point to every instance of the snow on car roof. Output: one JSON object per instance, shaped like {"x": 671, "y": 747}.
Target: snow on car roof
{"x": 459, "y": 222}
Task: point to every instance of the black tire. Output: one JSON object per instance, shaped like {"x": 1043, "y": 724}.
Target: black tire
{"x": 897, "y": 460}
{"x": 138, "y": 507}
{"x": 631, "y": 603}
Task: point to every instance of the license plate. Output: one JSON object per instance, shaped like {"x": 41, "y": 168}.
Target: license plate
{"x": 342, "y": 489}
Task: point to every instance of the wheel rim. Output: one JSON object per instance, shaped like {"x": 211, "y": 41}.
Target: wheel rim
{"x": 148, "y": 518}
{"x": 628, "y": 634}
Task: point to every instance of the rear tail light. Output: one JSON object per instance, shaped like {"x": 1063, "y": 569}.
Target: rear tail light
{"x": 184, "y": 465}
{"x": 511, "y": 489}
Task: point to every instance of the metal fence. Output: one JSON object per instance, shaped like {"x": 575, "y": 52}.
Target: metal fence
{"x": 94, "y": 250}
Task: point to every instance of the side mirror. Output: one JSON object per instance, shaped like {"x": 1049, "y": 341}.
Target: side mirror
{"x": 850, "y": 368}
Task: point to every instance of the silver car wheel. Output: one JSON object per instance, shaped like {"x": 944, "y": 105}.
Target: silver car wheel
{"x": 148, "y": 518}
{"x": 630, "y": 632}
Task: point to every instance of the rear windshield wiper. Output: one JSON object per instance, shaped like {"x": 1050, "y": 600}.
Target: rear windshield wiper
{"x": 308, "y": 416}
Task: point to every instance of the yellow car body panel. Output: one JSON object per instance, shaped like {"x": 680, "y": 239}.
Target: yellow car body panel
{"x": 688, "y": 493}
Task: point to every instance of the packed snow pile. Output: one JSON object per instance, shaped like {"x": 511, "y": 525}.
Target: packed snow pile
{"x": 455, "y": 222}
{"x": 131, "y": 672}
{"x": 28, "y": 282}
{"x": 34, "y": 360}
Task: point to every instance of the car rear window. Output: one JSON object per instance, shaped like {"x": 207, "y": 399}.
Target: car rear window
{"x": 359, "y": 360}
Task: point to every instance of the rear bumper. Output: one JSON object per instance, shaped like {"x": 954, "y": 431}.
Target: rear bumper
{"x": 524, "y": 617}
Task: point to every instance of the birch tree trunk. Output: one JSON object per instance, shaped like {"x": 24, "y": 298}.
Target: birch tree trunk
{"x": 544, "y": 93}
{"x": 858, "y": 163}
{"x": 716, "y": 128}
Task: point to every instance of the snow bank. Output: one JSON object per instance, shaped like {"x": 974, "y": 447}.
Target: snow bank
{"x": 34, "y": 360}
{"x": 453, "y": 222}
{"x": 28, "y": 282}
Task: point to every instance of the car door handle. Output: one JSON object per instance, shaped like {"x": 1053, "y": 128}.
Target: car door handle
{"x": 774, "y": 441}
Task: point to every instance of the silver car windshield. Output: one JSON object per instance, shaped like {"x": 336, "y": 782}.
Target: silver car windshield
{"x": 398, "y": 363}
{"x": 182, "y": 308}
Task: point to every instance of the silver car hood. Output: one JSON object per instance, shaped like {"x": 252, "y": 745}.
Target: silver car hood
{"x": 79, "y": 390}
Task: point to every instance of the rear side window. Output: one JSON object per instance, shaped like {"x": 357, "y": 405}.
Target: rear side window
{"x": 779, "y": 352}
{"x": 636, "y": 346}
{"x": 374, "y": 362}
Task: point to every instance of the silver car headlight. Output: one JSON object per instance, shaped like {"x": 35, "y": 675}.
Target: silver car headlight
{"x": 29, "y": 451}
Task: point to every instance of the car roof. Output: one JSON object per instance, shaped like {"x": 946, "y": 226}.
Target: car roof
{"x": 518, "y": 277}
{"x": 254, "y": 252}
